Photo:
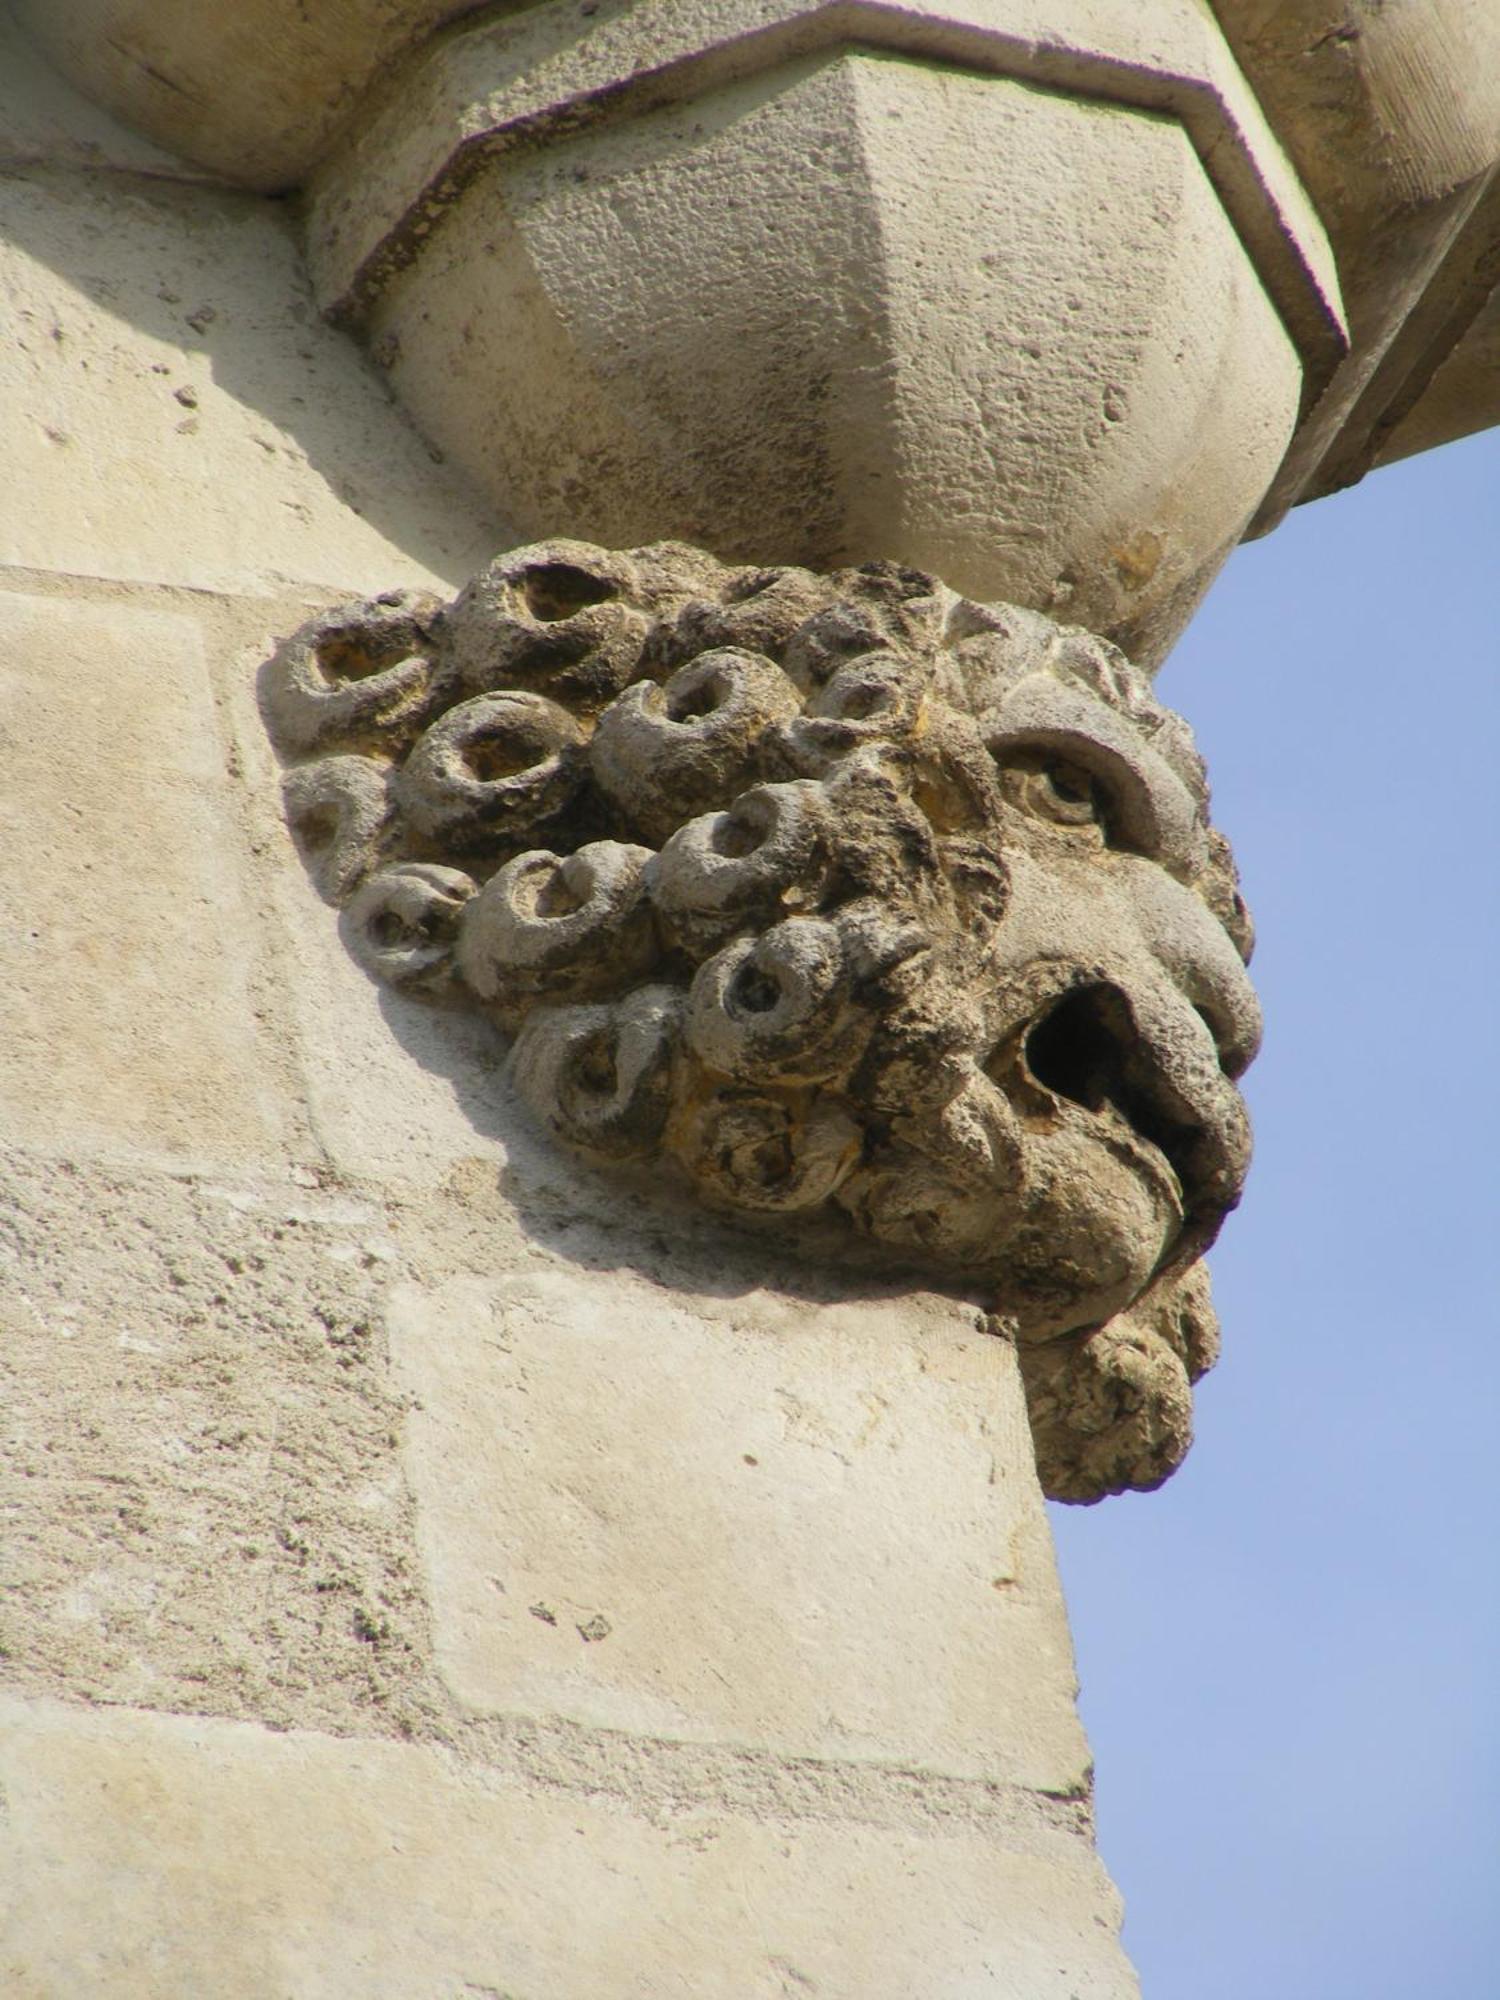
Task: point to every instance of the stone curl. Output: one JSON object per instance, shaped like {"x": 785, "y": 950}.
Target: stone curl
{"x": 889, "y": 916}
{"x": 566, "y": 927}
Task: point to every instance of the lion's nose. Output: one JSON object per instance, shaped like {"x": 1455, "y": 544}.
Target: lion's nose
{"x": 1137, "y": 1005}
{"x": 1195, "y": 952}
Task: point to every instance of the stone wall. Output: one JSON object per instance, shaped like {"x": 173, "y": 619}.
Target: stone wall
{"x": 432, "y": 1570}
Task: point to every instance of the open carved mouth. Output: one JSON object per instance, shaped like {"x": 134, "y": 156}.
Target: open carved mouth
{"x": 1088, "y": 1049}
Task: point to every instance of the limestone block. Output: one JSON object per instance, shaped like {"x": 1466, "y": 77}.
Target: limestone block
{"x": 751, "y": 1519}
{"x": 126, "y": 1011}
{"x": 181, "y": 415}
{"x": 203, "y": 1504}
{"x": 391, "y": 1089}
{"x": 154, "y": 1858}
{"x": 394, "y": 1090}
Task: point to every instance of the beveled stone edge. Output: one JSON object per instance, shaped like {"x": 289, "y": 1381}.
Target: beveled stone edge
{"x": 513, "y": 106}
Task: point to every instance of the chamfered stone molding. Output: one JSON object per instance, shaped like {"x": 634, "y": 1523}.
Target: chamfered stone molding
{"x": 1377, "y": 124}
{"x": 886, "y": 919}
{"x": 1025, "y": 294}
{"x": 514, "y": 81}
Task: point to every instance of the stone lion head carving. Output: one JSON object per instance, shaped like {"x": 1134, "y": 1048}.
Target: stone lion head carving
{"x": 848, "y": 896}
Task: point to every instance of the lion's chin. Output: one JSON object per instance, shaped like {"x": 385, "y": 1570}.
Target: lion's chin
{"x": 1099, "y": 1212}
{"x": 1092, "y": 1215}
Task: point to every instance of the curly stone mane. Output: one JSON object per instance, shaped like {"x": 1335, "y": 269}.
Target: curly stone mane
{"x": 848, "y": 896}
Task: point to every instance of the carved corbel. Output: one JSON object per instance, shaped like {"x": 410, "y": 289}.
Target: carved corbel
{"x": 883, "y": 918}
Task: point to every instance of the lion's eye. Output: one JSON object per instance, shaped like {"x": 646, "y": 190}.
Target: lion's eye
{"x": 1068, "y": 792}
{"x": 1053, "y": 788}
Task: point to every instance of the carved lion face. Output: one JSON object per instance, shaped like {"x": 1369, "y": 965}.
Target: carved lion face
{"x": 849, "y": 896}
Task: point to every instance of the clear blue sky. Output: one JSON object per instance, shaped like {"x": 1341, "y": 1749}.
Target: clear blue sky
{"x": 1291, "y": 1654}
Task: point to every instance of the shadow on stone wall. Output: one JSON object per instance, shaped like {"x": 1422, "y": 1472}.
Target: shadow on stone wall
{"x": 197, "y": 421}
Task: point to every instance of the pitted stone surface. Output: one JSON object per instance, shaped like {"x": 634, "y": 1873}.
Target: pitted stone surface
{"x": 203, "y": 1501}
{"x": 862, "y": 905}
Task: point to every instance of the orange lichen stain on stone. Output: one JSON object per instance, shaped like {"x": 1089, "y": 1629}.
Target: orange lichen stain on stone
{"x": 1137, "y": 560}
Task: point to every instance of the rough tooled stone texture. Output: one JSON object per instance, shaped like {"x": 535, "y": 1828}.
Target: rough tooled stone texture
{"x": 869, "y": 908}
{"x": 203, "y": 1498}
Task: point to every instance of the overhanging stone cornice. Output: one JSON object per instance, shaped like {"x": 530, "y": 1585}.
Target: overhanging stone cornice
{"x": 478, "y": 92}
{"x": 1384, "y": 381}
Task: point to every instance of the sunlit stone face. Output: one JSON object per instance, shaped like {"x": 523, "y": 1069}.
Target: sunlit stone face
{"x": 858, "y": 903}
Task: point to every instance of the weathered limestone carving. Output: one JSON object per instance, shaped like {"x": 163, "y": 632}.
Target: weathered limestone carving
{"x": 860, "y": 902}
